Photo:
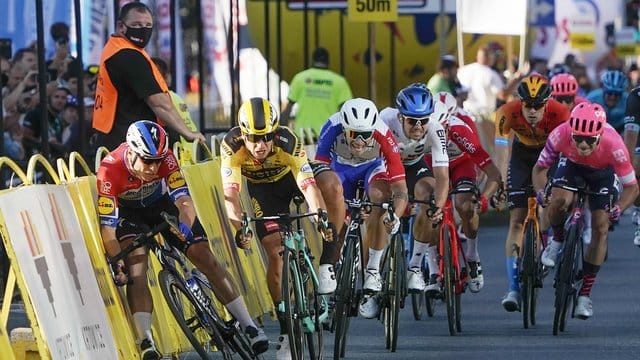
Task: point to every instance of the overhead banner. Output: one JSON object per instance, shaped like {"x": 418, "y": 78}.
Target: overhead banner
{"x": 372, "y": 10}
{"x": 476, "y": 16}
{"x": 51, "y": 256}
{"x": 583, "y": 32}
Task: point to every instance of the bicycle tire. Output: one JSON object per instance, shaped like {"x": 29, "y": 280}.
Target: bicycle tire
{"x": 449, "y": 280}
{"x": 344, "y": 295}
{"x": 528, "y": 274}
{"x": 314, "y": 303}
{"x": 430, "y": 304}
{"x": 293, "y": 306}
{"x": 184, "y": 312}
{"x": 400, "y": 287}
{"x": 392, "y": 291}
{"x": 564, "y": 280}
{"x": 417, "y": 302}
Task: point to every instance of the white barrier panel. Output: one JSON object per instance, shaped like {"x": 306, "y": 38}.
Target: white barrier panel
{"x": 46, "y": 237}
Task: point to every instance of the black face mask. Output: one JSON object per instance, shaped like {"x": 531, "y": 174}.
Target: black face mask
{"x": 138, "y": 36}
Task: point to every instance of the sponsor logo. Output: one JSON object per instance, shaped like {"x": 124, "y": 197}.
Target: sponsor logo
{"x": 106, "y": 205}
{"x": 619, "y": 155}
{"x": 175, "y": 180}
{"x": 106, "y": 187}
{"x": 464, "y": 142}
{"x": 422, "y": 170}
{"x": 306, "y": 168}
{"x": 171, "y": 162}
{"x": 443, "y": 140}
{"x": 226, "y": 172}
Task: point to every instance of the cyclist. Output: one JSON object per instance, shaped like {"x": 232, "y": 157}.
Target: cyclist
{"x": 466, "y": 155}
{"x": 564, "y": 88}
{"x": 588, "y": 149}
{"x": 136, "y": 182}
{"x": 612, "y": 96}
{"x": 412, "y": 125}
{"x": 275, "y": 166}
{"x": 631, "y": 128}
{"x": 352, "y": 142}
{"x": 530, "y": 118}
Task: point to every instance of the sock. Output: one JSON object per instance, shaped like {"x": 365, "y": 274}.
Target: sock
{"x": 239, "y": 311}
{"x": 472, "y": 250}
{"x": 432, "y": 260}
{"x": 142, "y": 322}
{"x": 512, "y": 273}
{"x": 554, "y": 244}
{"x": 374, "y": 259}
{"x": 419, "y": 249}
{"x": 589, "y": 273}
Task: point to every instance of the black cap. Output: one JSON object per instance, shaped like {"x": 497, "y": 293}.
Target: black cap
{"x": 320, "y": 56}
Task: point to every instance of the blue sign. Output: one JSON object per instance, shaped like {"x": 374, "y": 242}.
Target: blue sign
{"x": 543, "y": 13}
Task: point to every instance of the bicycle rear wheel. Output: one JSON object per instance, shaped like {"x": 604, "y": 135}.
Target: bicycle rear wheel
{"x": 449, "y": 280}
{"x": 345, "y": 296}
{"x": 417, "y": 302}
{"x": 314, "y": 305}
{"x": 187, "y": 315}
{"x": 394, "y": 290}
{"x": 564, "y": 280}
{"x": 528, "y": 275}
{"x": 292, "y": 298}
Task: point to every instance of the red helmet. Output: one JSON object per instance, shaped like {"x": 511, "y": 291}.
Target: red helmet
{"x": 587, "y": 119}
{"x": 564, "y": 84}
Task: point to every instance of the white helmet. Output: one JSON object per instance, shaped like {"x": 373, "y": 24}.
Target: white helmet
{"x": 358, "y": 115}
{"x": 449, "y": 101}
{"x": 440, "y": 114}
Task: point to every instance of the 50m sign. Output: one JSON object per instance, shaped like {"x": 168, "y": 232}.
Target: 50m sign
{"x": 373, "y": 10}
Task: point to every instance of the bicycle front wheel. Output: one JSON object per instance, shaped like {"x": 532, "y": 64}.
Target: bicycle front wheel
{"x": 292, "y": 299}
{"x": 449, "y": 280}
{"x": 564, "y": 280}
{"x": 528, "y": 274}
{"x": 315, "y": 305}
{"x": 393, "y": 290}
{"x": 186, "y": 313}
{"x": 345, "y": 296}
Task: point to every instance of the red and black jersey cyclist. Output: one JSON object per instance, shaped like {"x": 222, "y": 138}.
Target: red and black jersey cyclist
{"x": 528, "y": 121}
{"x": 136, "y": 182}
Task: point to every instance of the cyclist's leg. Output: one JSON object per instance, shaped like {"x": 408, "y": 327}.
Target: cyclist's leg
{"x": 425, "y": 235}
{"x": 378, "y": 190}
{"x": 138, "y": 294}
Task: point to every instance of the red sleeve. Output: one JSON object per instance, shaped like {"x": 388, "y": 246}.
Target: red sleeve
{"x": 391, "y": 154}
{"x": 468, "y": 140}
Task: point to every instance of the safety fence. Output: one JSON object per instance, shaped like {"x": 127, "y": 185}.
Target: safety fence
{"x": 52, "y": 236}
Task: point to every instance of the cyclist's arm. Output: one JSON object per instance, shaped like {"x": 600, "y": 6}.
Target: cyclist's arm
{"x": 111, "y": 244}
{"x": 187, "y": 210}
{"x": 439, "y": 161}
{"x": 628, "y": 196}
{"x": 441, "y": 174}
{"x": 233, "y": 207}
{"x": 630, "y": 136}
{"x": 400, "y": 196}
{"x": 539, "y": 177}
{"x": 503, "y": 139}
{"x": 314, "y": 197}
{"x": 493, "y": 179}
{"x": 547, "y": 157}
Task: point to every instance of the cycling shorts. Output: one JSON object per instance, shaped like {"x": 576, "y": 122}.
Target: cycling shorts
{"x": 415, "y": 172}
{"x": 133, "y": 222}
{"x": 270, "y": 199}
{"x": 462, "y": 172}
{"x": 575, "y": 175}
{"x": 522, "y": 161}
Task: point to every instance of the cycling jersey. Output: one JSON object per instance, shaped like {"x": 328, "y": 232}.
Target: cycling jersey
{"x": 632, "y": 112}
{"x": 286, "y": 156}
{"x": 118, "y": 187}
{"x": 611, "y": 151}
{"x": 463, "y": 115}
{"x": 411, "y": 151}
{"x": 333, "y": 147}
{"x": 615, "y": 114}
{"x": 509, "y": 117}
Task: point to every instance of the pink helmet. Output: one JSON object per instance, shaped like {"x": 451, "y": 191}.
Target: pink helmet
{"x": 564, "y": 84}
{"x": 449, "y": 101}
{"x": 587, "y": 119}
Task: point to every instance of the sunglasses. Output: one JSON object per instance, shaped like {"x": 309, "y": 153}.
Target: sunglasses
{"x": 257, "y": 138}
{"x": 355, "y": 135}
{"x": 533, "y": 105}
{"x": 416, "y": 121}
{"x": 567, "y": 99}
{"x": 147, "y": 161}
{"x": 590, "y": 140}
{"x": 613, "y": 93}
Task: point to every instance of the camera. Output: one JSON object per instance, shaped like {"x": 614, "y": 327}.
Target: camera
{"x": 62, "y": 40}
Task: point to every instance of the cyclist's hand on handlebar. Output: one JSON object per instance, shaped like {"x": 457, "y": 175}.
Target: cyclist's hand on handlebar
{"x": 243, "y": 239}
{"x": 614, "y": 213}
{"x": 391, "y": 225}
{"x": 435, "y": 215}
{"x": 483, "y": 204}
{"x": 542, "y": 198}
{"x": 413, "y": 209}
{"x": 118, "y": 273}
{"x": 498, "y": 199}
{"x": 324, "y": 226}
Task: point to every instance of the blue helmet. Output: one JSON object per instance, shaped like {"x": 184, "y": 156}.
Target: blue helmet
{"x": 415, "y": 101}
{"x": 614, "y": 80}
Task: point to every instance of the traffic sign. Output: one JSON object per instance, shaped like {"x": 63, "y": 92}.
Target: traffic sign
{"x": 372, "y": 10}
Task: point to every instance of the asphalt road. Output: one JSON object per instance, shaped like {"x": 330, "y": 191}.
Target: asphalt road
{"x": 488, "y": 332}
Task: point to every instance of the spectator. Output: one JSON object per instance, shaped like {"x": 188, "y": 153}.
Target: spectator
{"x": 13, "y": 134}
{"x": 178, "y": 102}
{"x": 486, "y": 86}
{"x": 71, "y": 137}
{"x": 129, "y": 86}
{"x": 32, "y": 134}
{"x": 59, "y": 61}
{"x": 446, "y": 77}
{"x": 27, "y": 58}
{"x": 319, "y": 93}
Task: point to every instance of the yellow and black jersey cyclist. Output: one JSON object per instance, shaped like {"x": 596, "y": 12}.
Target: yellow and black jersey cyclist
{"x": 276, "y": 168}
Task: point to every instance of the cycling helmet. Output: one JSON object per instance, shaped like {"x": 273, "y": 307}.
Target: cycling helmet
{"x": 587, "y": 119}
{"x": 534, "y": 89}
{"x": 440, "y": 114}
{"x": 358, "y": 115}
{"x": 147, "y": 139}
{"x": 614, "y": 80}
{"x": 449, "y": 101}
{"x": 564, "y": 84}
{"x": 557, "y": 70}
{"x": 415, "y": 101}
{"x": 257, "y": 116}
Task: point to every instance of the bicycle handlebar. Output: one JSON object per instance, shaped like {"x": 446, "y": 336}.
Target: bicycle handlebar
{"x": 142, "y": 239}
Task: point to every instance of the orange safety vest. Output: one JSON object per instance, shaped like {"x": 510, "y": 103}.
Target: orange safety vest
{"x": 104, "y": 110}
